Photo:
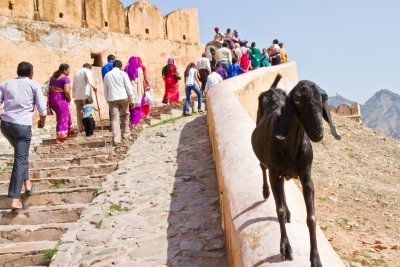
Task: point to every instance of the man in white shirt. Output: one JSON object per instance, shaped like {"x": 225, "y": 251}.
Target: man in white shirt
{"x": 213, "y": 79}
{"x": 81, "y": 90}
{"x": 204, "y": 67}
{"x": 119, "y": 94}
{"x": 224, "y": 56}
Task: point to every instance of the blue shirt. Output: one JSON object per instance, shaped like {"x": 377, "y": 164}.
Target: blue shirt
{"x": 87, "y": 110}
{"x": 106, "y": 68}
{"x": 20, "y": 96}
{"x": 234, "y": 69}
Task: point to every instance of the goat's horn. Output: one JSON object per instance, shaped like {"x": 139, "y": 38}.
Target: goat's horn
{"x": 276, "y": 81}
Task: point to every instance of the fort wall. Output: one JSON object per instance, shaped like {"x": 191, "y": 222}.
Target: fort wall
{"x": 88, "y": 31}
{"x": 140, "y": 19}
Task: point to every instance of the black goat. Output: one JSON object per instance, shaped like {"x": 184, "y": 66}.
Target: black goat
{"x": 281, "y": 142}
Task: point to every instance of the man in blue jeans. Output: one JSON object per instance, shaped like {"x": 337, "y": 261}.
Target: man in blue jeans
{"x": 20, "y": 96}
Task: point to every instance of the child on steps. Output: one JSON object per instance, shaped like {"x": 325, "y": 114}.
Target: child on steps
{"x": 87, "y": 118}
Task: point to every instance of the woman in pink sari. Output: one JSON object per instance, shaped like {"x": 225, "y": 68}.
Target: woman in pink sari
{"x": 135, "y": 73}
{"x": 59, "y": 98}
{"x": 171, "y": 78}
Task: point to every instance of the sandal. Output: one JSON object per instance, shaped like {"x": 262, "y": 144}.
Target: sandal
{"x": 30, "y": 192}
{"x": 18, "y": 210}
{"x": 200, "y": 111}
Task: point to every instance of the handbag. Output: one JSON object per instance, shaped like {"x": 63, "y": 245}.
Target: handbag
{"x": 148, "y": 96}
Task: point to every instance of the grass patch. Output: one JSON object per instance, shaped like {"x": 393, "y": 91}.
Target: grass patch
{"x": 98, "y": 224}
{"x": 49, "y": 254}
{"x": 166, "y": 122}
{"x": 115, "y": 208}
{"x": 97, "y": 191}
{"x": 58, "y": 186}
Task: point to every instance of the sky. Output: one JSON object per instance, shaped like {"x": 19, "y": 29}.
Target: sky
{"x": 347, "y": 47}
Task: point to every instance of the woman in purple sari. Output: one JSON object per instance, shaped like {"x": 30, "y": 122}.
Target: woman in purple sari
{"x": 135, "y": 73}
{"x": 59, "y": 98}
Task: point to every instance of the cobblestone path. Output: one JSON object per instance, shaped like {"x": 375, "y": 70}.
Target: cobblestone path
{"x": 161, "y": 207}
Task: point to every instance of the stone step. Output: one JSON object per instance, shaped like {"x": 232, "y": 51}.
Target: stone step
{"x": 25, "y": 254}
{"x": 16, "y": 233}
{"x": 61, "y": 171}
{"x": 61, "y": 183}
{"x": 99, "y": 136}
{"x": 54, "y": 197}
{"x": 108, "y": 150}
{"x": 43, "y": 214}
{"x": 68, "y": 161}
{"x": 75, "y": 146}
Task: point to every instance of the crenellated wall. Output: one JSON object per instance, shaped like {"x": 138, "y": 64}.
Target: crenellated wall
{"x": 352, "y": 112}
{"x": 181, "y": 26}
{"x": 146, "y": 19}
{"x": 66, "y": 12}
{"x": 140, "y": 19}
{"x": 114, "y": 14}
{"x": 18, "y": 8}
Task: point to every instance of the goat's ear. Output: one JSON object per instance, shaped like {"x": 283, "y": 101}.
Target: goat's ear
{"x": 327, "y": 114}
{"x": 282, "y": 125}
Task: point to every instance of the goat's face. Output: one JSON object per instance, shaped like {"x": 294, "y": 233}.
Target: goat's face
{"x": 308, "y": 104}
{"x": 308, "y": 100}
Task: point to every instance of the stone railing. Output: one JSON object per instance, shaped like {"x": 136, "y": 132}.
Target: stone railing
{"x": 250, "y": 223}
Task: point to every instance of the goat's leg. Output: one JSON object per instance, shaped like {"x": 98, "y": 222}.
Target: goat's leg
{"x": 282, "y": 189}
{"x": 308, "y": 193}
{"x": 265, "y": 183}
{"x": 285, "y": 248}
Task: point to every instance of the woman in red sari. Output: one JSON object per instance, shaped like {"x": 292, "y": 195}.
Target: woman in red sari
{"x": 245, "y": 62}
{"x": 171, "y": 78}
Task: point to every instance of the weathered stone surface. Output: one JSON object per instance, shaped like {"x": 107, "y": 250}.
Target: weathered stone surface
{"x": 157, "y": 219}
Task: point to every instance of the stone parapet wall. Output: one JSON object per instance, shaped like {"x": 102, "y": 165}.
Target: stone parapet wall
{"x": 140, "y": 19}
{"x": 250, "y": 224}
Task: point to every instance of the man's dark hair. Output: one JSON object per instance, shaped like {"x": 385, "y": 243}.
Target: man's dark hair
{"x": 87, "y": 65}
{"x": 117, "y": 64}
{"x": 234, "y": 60}
{"x": 275, "y": 41}
{"x": 110, "y": 57}
{"x": 225, "y": 44}
{"x": 228, "y": 30}
{"x": 253, "y": 44}
{"x": 24, "y": 69}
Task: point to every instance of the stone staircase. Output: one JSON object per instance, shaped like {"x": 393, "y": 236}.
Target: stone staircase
{"x": 67, "y": 178}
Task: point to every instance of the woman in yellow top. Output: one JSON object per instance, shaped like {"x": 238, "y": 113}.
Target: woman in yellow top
{"x": 284, "y": 57}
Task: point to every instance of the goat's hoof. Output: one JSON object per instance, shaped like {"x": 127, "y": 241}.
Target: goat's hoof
{"x": 286, "y": 251}
{"x": 266, "y": 194}
{"x": 316, "y": 262}
{"x": 288, "y": 218}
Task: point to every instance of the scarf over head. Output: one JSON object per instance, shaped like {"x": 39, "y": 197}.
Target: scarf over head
{"x": 170, "y": 61}
{"x": 140, "y": 64}
{"x": 132, "y": 68}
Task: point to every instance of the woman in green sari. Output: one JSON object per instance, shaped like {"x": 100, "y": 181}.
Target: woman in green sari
{"x": 255, "y": 56}
{"x": 264, "y": 58}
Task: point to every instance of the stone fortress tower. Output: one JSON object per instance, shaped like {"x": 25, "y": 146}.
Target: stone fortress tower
{"x": 50, "y": 32}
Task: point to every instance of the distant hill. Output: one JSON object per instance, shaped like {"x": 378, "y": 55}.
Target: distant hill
{"x": 382, "y": 112}
{"x": 338, "y": 100}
